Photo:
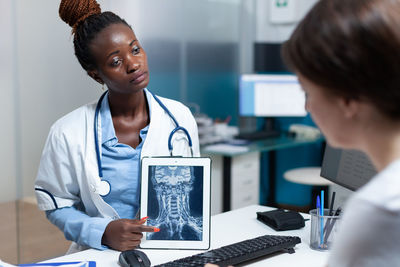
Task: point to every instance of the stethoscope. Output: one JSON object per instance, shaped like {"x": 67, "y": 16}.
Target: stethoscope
{"x": 104, "y": 187}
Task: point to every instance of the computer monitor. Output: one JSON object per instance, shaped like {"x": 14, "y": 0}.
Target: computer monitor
{"x": 267, "y": 95}
{"x": 349, "y": 168}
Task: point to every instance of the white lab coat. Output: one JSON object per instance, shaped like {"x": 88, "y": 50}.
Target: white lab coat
{"x": 68, "y": 170}
{"x": 3, "y": 264}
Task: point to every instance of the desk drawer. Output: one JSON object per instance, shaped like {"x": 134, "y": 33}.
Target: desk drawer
{"x": 245, "y": 180}
{"x": 242, "y": 165}
{"x": 243, "y": 183}
{"x": 247, "y": 196}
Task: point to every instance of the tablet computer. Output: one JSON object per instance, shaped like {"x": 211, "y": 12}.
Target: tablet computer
{"x": 175, "y": 195}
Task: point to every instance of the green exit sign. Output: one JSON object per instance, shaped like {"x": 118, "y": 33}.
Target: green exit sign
{"x": 281, "y": 3}
{"x": 283, "y": 11}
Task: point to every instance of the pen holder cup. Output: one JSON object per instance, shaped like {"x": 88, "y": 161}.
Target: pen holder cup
{"x": 323, "y": 229}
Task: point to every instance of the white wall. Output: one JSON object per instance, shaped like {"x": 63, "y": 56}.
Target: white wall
{"x": 277, "y": 33}
{"x": 51, "y": 83}
{"x": 255, "y": 26}
{"x": 41, "y": 81}
{"x": 7, "y": 104}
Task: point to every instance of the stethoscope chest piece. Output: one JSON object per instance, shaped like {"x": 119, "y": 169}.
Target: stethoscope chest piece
{"x": 104, "y": 188}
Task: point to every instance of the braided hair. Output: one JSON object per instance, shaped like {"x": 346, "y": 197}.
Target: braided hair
{"x": 87, "y": 20}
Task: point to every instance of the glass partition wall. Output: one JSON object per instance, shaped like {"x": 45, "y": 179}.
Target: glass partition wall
{"x": 193, "y": 53}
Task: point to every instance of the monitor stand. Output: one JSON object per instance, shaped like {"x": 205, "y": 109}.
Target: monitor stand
{"x": 268, "y": 131}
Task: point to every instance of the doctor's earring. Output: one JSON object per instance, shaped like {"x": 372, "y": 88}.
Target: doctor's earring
{"x": 102, "y": 87}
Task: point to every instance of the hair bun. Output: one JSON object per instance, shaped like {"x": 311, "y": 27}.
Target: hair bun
{"x": 75, "y": 11}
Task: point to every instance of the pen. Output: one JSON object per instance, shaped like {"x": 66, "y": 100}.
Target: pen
{"x": 330, "y": 211}
{"x": 332, "y": 202}
{"x": 338, "y": 211}
{"x": 318, "y": 214}
{"x": 332, "y": 223}
{"x": 322, "y": 218}
{"x": 322, "y": 202}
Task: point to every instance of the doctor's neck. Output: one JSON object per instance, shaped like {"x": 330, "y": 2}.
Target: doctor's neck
{"x": 128, "y": 105}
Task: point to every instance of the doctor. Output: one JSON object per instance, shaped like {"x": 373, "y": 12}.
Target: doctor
{"x": 88, "y": 180}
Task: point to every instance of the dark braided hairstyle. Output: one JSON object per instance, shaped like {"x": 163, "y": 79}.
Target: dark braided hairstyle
{"x": 87, "y": 20}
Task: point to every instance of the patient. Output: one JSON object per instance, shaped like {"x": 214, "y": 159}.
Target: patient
{"x": 346, "y": 54}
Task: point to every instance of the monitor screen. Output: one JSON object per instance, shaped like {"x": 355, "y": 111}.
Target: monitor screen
{"x": 349, "y": 168}
{"x": 265, "y": 95}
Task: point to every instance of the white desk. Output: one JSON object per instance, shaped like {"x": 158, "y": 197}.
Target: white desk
{"x": 226, "y": 228}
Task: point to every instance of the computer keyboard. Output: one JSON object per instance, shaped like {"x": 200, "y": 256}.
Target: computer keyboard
{"x": 239, "y": 252}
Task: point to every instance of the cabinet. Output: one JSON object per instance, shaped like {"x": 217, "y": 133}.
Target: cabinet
{"x": 237, "y": 187}
{"x": 245, "y": 180}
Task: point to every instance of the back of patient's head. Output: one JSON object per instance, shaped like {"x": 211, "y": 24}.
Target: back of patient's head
{"x": 351, "y": 48}
{"x": 87, "y": 20}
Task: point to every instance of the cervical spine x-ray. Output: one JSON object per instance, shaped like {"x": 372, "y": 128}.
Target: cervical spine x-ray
{"x": 175, "y": 202}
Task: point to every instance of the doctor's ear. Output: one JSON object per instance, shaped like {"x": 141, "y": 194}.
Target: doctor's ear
{"x": 349, "y": 107}
{"x": 95, "y": 76}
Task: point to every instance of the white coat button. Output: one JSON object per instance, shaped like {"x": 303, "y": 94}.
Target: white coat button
{"x": 93, "y": 188}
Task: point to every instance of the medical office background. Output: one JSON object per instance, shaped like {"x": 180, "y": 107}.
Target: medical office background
{"x": 196, "y": 51}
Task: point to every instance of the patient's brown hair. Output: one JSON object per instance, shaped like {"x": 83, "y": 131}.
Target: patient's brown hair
{"x": 352, "y": 49}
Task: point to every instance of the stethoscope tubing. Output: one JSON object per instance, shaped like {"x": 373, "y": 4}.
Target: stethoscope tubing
{"x": 170, "y": 148}
{"x": 96, "y": 136}
{"x": 177, "y": 128}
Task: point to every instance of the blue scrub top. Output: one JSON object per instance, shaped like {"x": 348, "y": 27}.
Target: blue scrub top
{"x": 121, "y": 166}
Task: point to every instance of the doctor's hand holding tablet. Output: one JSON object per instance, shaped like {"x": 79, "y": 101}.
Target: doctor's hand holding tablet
{"x": 88, "y": 181}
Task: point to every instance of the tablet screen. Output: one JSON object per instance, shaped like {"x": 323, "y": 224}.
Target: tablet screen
{"x": 175, "y": 195}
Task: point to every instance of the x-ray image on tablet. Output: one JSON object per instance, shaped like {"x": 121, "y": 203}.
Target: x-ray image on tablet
{"x": 175, "y": 197}
{"x": 175, "y": 202}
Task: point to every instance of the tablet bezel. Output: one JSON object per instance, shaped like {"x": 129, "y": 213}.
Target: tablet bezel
{"x": 204, "y": 162}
